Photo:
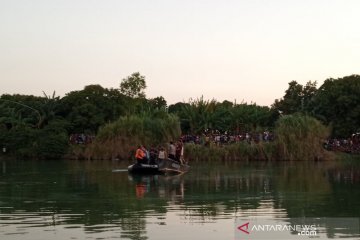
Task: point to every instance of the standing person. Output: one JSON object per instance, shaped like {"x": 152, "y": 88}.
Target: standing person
{"x": 182, "y": 160}
{"x": 153, "y": 155}
{"x": 179, "y": 147}
{"x": 162, "y": 154}
{"x": 139, "y": 154}
{"x": 147, "y": 155}
{"x": 172, "y": 151}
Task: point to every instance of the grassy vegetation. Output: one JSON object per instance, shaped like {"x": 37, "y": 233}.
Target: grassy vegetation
{"x": 120, "y": 138}
{"x": 298, "y": 137}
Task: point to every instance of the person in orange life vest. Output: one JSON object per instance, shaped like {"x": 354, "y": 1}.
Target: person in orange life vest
{"x": 140, "y": 154}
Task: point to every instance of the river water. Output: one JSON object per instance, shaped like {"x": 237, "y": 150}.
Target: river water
{"x": 100, "y": 200}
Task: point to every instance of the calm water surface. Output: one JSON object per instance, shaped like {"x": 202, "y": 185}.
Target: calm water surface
{"x": 100, "y": 200}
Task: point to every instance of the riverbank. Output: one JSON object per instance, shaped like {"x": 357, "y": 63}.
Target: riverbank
{"x": 297, "y": 138}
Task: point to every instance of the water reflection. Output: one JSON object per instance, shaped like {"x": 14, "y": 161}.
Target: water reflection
{"x": 169, "y": 187}
{"x": 87, "y": 199}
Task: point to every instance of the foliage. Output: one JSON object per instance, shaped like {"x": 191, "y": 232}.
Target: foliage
{"x": 22, "y": 110}
{"x": 198, "y": 115}
{"x": 31, "y": 127}
{"x": 39, "y": 126}
{"x": 150, "y": 129}
{"x": 177, "y": 109}
{"x": 337, "y": 102}
{"x": 133, "y": 86}
{"x": 248, "y": 117}
{"x": 297, "y": 98}
{"x": 158, "y": 103}
{"x": 92, "y": 107}
{"x": 50, "y": 142}
{"x": 300, "y": 137}
{"x": 201, "y": 115}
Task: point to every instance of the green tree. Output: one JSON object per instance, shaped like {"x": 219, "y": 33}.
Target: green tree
{"x": 92, "y": 107}
{"x": 201, "y": 115}
{"x": 158, "y": 103}
{"x": 133, "y": 86}
{"x": 177, "y": 109}
{"x": 21, "y": 109}
{"x": 297, "y": 98}
{"x": 337, "y": 102}
{"x": 248, "y": 117}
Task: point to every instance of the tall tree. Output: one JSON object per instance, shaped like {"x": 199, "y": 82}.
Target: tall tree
{"x": 337, "y": 102}
{"x": 158, "y": 103}
{"x": 92, "y": 107}
{"x": 297, "y": 98}
{"x": 133, "y": 86}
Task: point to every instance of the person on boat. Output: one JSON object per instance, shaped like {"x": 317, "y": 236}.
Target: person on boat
{"x": 153, "y": 155}
{"x": 179, "y": 151}
{"x": 172, "y": 151}
{"x": 140, "y": 154}
{"x": 147, "y": 155}
{"x": 162, "y": 154}
{"x": 182, "y": 160}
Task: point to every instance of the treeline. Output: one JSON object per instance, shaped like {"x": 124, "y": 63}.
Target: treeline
{"x": 39, "y": 127}
{"x": 336, "y": 103}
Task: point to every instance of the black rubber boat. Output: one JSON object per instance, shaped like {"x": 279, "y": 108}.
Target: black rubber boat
{"x": 142, "y": 168}
{"x": 165, "y": 166}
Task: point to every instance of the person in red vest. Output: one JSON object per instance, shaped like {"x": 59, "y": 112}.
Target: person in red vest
{"x": 140, "y": 154}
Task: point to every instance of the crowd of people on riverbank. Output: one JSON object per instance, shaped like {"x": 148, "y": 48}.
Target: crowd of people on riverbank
{"x": 81, "y": 138}
{"x": 217, "y": 138}
{"x": 348, "y": 145}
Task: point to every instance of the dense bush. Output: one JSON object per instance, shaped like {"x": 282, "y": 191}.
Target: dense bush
{"x": 24, "y": 142}
{"x": 120, "y": 138}
{"x": 300, "y": 137}
{"x": 297, "y": 137}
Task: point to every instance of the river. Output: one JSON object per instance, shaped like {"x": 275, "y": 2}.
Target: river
{"x": 100, "y": 200}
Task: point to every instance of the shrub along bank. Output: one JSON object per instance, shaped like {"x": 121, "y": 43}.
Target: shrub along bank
{"x": 120, "y": 138}
{"x": 297, "y": 137}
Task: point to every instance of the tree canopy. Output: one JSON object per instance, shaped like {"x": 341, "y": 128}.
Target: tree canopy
{"x": 133, "y": 86}
{"x": 336, "y": 102}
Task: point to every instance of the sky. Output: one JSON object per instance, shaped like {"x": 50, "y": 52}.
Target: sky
{"x": 240, "y": 50}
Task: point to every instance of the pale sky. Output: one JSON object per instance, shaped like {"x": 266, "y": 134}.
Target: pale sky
{"x": 244, "y": 50}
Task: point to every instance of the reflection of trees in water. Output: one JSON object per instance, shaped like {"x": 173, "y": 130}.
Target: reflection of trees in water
{"x": 318, "y": 190}
{"x": 300, "y": 187}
